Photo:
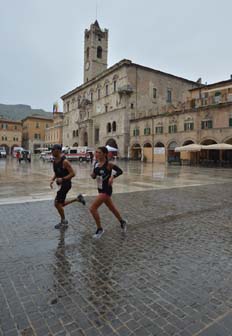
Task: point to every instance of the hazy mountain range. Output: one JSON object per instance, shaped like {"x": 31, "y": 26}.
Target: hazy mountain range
{"x": 20, "y": 111}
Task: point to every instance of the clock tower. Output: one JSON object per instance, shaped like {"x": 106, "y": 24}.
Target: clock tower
{"x": 95, "y": 51}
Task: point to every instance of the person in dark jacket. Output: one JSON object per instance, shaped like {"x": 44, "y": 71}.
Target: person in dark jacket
{"x": 63, "y": 174}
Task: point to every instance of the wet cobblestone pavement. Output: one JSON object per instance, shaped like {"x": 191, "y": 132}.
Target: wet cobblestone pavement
{"x": 171, "y": 274}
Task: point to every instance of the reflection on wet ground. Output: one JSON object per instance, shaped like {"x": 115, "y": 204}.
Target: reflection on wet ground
{"x": 170, "y": 274}
{"x": 28, "y": 182}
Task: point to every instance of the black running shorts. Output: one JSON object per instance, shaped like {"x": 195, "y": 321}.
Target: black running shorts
{"x": 62, "y": 192}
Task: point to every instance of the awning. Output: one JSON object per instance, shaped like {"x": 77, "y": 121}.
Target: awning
{"x": 189, "y": 148}
{"x": 219, "y": 146}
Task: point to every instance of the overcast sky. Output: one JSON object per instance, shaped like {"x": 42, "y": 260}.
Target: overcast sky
{"x": 41, "y": 42}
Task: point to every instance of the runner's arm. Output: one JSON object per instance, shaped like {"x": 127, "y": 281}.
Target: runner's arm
{"x": 116, "y": 171}
{"x": 67, "y": 165}
{"x": 52, "y": 180}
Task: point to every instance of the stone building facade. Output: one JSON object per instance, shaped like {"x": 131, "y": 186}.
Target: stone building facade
{"x": 10, "y": 134}
{"x": 33, "y": 132}
{"x": 54, "y": 133}
{"x": 99, "y": 111}
{"x": 205, "y": 117}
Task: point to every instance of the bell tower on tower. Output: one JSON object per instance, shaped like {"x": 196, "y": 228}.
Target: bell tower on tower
{"x": 95, "y": 51}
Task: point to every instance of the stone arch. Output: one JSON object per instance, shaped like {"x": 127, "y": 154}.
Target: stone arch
{"x": 208, "y": 141}
{"x": 227, "y": 154}
{"x": 147, "y": 144}
{"x": 172, "y": 155}
{"x": 159, "y": 145}
{"x": 136, "y": 152}
{"x": 188, "y": 142}
{"x": 228, "y": 140}
{"x": 211, "y": 155}
{"x": 112, "y": 143}
{"x": 147, "y": 151}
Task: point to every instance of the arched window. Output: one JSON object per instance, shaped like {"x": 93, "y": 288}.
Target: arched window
{"x": 87, "y": 53}
{"x": 74, "y": 134}
{"x": 114, "y": 127}
{"x": 99, "y": 52}
{"x": 108, "y": 128}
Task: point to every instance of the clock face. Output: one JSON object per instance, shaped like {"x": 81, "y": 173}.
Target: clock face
{"x": 87, "y": 66}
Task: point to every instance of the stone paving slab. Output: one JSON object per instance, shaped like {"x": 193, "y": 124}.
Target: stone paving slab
{"x": 171, "y": 274}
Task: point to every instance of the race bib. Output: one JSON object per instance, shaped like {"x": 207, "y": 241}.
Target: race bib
{"x": 99, "y": 182}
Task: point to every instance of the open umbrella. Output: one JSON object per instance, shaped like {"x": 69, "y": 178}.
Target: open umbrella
{"x": 218, "y": 146}
{"x": 111, "y": 149}
{"x": 189, "y": 148}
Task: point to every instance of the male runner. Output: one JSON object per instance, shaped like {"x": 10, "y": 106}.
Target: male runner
{"x": 63, "y": 173}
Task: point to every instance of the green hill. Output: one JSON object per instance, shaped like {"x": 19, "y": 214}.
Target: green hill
{"x": 20, "y": 111}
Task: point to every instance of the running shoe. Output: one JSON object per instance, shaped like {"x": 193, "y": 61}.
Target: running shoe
{"x": 62, "y": 225}
{"x": 124, "y": 225}
{"x": 80, "y": 198}
{"x": 98, "y": 233}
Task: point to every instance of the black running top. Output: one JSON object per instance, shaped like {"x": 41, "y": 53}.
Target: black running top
{"x": 58, "y": 168}
{"x": 103, "y": 174}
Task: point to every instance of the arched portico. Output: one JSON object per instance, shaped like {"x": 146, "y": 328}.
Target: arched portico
{"x": 147, "y": 151}
{"x": 227, "y": 154}
{"x": 209, "y": 157}
{"x": 112, "y": 143}
{"x": 172, "y": 156}
{"x": 159, "y": 152}
{"x": 136, "y": 152}
{"x": 189, "y": 157}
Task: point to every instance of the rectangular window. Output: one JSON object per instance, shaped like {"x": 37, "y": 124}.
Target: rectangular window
{"x": 154, "y": 93}
{"x": 15, "y": 127}
{"x": 37, "y": 136}
{"x": 96, "y": 135}
{"x": 37, "y": 125}
{"x": 159, "y": 130}
{"x": 136, "y": 132}
{"x": 67, "y": 106}
{"x": 172, "y": 129}
{"x": 4, "y": 126}
{"x": 188, "y": 126}
{"x": 106, "y": 108}
{"x": 147, "y": 131}
{"x": 230, "y": 122}
{"x": 115, "y": 86}
{"x": 207, "y": 124}
{"x": 169, "y": 96}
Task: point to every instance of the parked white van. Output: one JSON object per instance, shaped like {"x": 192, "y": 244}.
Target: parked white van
{"x": 2, "y": 152}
